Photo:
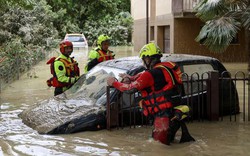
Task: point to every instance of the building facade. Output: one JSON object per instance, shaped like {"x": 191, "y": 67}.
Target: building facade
{"x": 172, "y": 24}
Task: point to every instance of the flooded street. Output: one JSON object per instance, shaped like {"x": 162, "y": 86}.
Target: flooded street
{"x": 16, "y": 139}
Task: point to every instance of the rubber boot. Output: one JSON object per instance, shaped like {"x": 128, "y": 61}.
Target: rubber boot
{"x": 185, "y": 136}
{"x": 161, "y": 130}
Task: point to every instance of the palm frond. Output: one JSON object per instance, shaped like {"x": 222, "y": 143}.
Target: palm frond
{"x": 246, "y": 18}
{"x": 208, "y": 9}
{"x": 237, "y": 5}
{"x": 217, "y": 34}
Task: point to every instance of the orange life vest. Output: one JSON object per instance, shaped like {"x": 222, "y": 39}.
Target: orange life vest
{"x": 158, "y": 98}
{"x": 72, "y": 70}
{"x": 104, "y": 56}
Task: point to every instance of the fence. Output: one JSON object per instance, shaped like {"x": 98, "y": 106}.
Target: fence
{"x": 12, "y": 68}
{"x": 210, "y": 96}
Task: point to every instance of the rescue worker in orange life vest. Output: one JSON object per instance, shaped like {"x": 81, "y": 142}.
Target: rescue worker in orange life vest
{"x": 100, "y": 53}
{"x": 64, "y": 69}
{"x": 155, "y": 85}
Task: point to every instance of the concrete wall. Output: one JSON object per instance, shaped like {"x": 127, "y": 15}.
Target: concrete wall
{"x": 157, "y": 20}
{"x": 139, "y": 34}
{"x": 138, "y": 9}
{"x": 160, "y": 23}
{"x": 163, "y": 7}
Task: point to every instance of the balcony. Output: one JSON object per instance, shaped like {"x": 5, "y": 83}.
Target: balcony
{"x": 184, "y": 8}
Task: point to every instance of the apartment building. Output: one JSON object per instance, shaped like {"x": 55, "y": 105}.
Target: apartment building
{"x": 172, "y": 24}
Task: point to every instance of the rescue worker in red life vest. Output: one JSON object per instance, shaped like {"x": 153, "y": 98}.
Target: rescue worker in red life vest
{"x": 154, "y": 84}
{"x": 64, "y": 69}
{"x": 100, "y": 53}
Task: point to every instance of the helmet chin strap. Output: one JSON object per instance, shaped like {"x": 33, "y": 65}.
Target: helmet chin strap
{"x": 152, "y": 63}
{"x": 147, "y": 65}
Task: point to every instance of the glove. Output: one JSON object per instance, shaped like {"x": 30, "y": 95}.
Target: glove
{"x": 126, "y": 80}
{"x": 124, "y": 75}
{"x": 49, "y": 83}
{"x": 76, "y": 78}
{"x": 73, "y": 79}
{"x": 110, "y": 81}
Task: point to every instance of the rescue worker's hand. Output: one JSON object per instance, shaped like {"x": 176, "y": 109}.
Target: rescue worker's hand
{"x": 77, "y": 77}
{"x": 49, "y": 84}
{"x": 124, "y": 75}
{"x": 110, "y": 81}
{"x": 126, "y": 80}
{"x": 74, "y": 79}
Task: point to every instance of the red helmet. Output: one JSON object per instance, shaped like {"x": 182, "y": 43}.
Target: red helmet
{"x": 64, "y": 44}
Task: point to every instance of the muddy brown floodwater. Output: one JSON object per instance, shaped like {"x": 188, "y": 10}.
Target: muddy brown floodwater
{"x": 212, "y": 138}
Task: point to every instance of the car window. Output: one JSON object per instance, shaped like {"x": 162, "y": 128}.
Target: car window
{"x": 92, "y": 86}
{"x": 195, "y": 72}
{"x": 75, "y": 38}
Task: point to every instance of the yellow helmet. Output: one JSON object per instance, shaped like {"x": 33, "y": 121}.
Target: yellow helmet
{"x": 102, "y": 38}
{"x": 150, "y": 49}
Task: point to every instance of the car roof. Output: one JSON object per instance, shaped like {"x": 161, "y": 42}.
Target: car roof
{"x": 74, "y": 34}
{"x": 132, "y": 62}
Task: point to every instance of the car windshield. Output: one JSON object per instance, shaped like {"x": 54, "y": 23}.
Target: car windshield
{"x": 92, "y": 86}
{"x": 75, "y": 38}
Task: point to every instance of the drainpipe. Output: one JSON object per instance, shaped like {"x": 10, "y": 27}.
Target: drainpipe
{"x": 247, "y": 32}
{"x": 147, "y": 26}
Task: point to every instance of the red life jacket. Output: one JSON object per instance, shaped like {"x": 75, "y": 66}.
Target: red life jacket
{"x": 72, "y": 70}
{"x": 104, "y": 56}
{"x": 161, "y": 96}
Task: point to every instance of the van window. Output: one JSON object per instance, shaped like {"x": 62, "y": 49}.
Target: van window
{"x": 197, "y": 75}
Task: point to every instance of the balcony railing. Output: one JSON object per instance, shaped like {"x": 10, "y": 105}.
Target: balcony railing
{"x": 180, "y": 7}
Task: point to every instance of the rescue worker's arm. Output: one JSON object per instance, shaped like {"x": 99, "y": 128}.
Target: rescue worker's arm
{"x": 113, "y": 54}
{"x": 92, "y": 59}
{"x": 60, "y": 71}
{"x": 131, "y": 78}
{"x": 143, "y": 81}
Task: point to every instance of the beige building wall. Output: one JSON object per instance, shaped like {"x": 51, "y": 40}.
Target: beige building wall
{"x": 138, "y": 12}
{"x": 157, "y": 20}
{"x": 160, "y": 24}
{"x": 187, "y": 29}
{"x": 182, "y": 31}
{"x": 163, "y": 7}
{"x": 138, "y": 9}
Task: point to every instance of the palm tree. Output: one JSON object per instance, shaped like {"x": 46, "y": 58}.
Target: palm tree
{"x": 223, "y": 19}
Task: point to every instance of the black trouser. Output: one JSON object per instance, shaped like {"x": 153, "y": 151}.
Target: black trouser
{"x": 185, "y": 136}
{"x": 58, "y": 90}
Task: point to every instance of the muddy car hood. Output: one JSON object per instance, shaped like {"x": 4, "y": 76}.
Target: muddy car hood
{"x": 56, "y": 111}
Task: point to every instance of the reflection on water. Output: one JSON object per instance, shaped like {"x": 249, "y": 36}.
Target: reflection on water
{"x": 212, "y": 138}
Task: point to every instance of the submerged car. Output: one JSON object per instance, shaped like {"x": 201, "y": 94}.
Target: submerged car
{"x": 78, "y": 40}
{"x": 83, "y": 106}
